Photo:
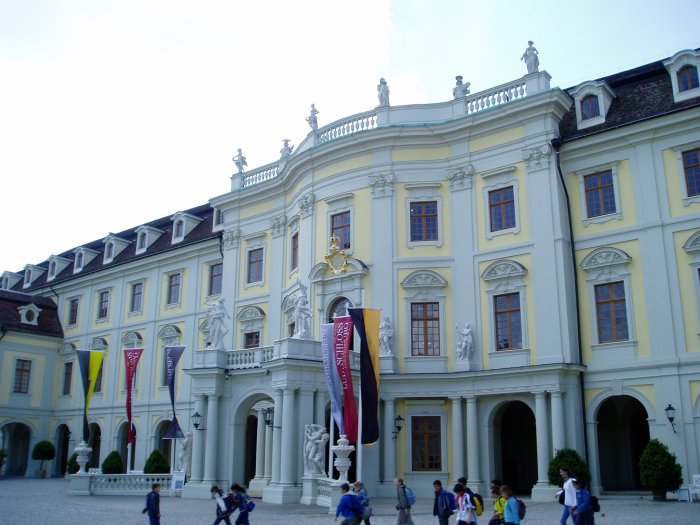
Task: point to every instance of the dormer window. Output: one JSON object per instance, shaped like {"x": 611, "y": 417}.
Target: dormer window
{"x": 141, "y": 241}
{"x": 687, "y": 78}
{"x": 5, "y": 282}
{"x": 113, "y": 246}
{"x": 27, "y": 277}
{"x": 179, "y": 229}
{"x": 145, "y": 237}
{"x": 29, "y": 314}
{"x": 82, "y": 257}
{"x": 683, "y": 70}
{"x": 9, "y": 279}
{"x": 592, "y": 100}
{"x": 31, "y": 274}
{"x": 78, "y": 261}
{"x": 109, "y": 251}
{"x": 183, "y": 224}
{"x": 589, "y": 107}
{"x": 52, "y": 269}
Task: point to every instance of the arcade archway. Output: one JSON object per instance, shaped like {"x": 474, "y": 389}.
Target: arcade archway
{"x": 15, "y": 439}
{"x": 516, "y": 462}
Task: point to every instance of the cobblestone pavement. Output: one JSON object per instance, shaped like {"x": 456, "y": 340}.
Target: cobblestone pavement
{"x": 25, "y": 501}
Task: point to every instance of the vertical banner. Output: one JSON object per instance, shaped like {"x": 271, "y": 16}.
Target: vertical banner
{"x": 341, "y": 348}
{"x": 366, "y": 323}
{"x": 131, "y": 360}
{"x": 90, "y": 363}
{"x": 172, "y": 356}
{"x": 332, "y": 377}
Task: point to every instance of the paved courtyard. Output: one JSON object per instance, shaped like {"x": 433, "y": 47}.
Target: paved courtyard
{"x": 29, "y": 501}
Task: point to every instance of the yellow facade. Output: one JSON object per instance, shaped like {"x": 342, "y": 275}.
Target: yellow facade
{"x": 493, "y": 140}
{"x": 354, "y": 163}
{"x": 418, "y": 154}
{"x": 689, "y": 301}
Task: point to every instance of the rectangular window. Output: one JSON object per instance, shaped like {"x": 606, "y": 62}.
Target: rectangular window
{"x": 136, "y": 302}
{"x": 426, "y": 452}
{"x": 691, "y": 166}
{"x": 340, "y": 227}
{"x": 507, "y": 316}
{"x": 67, "y": 377}
{"x": 424, "y": 221}
{"x": 600, "y": 194}
{"x": 252, "y": 339}
{"x": 294, "y": 256}
{"x": 255, "y": 265}
{"x": 611, "y": 311}
{"x": 425, "y": 329}
{"x": 216, "y": 274}
{"x": 174, "y": 288}
{"x": 103, "y": 305}
{"x": 73, "y": 311}
{"x": 23, "y": 368}
{"x": 502, "y": 209}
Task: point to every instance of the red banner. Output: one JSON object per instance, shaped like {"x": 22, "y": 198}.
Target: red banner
{"x": 341, "y": 348}
{"x": 131, "y": 360}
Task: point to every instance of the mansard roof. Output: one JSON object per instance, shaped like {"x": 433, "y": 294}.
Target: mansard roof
{"x": 10, "y": 320}
{"x": 201, "y": 232}
{"x": 642, "y": 93}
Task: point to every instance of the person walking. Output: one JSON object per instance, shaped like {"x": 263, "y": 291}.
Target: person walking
{"x": 153, "y": 505}
{"x": 466, "y": 514}
{"x": 223, "y": 508}
{"x": 241, "y": 497}
{"x": 583, "y": 510}
{"x": 499, "y": 503}
{"x": 469, "y": 498}
{"x": 569, "y": 492}
{"x": 402, "y": 504}
{"x": 359, "y": 489}
{"x": 510, "y": 511}
{"x": 349, "y": 506}
{"x": 441, "y": 507}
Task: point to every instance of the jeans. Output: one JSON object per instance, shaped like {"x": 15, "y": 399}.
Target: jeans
{"x": 242, "y": 518}
{"x": 565, "y": 513}
{"x": 404, "y": 517}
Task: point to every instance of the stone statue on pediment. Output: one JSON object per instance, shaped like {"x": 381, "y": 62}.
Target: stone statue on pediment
{"x": 465, "y": 346}
{"x": 386, "y": 334}
{"x": 530, "y": 58}
{"x": 311, "y": 119}
{"x": 239, "y": 161}
{"x": 383, "y": 93}
{"x": 461, "y": 89}
{"x": 302, "y": 314}
{"x": 216, "y": 320}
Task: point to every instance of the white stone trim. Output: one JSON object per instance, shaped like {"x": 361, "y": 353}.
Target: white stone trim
{"x": 424, "y": 192}
{"x": 687, "y": 57}
{"x": 582, "y": 174}
{"x": 506, "y": 277}
{"x": 499, "y": 185}
{"x": 678, "y": 151}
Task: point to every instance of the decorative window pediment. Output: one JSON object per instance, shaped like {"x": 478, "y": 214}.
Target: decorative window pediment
{"x": 424, "y": 279}
{"x": 29, "y": 314}
{"x": 692, "y": 245}
{"x": 603, "y": 257}
{"x": 503, "y": 270}
{"x": 592, "y": 100}
{"x": 183, "y": 224}
{"x": 99, "y": 343}
{"x": 82, "y": 257}
{"x": 113, "y": 246}
{"x": 684, "y": 68}
{"x": 132, "y": 340}
{"x": 250, "y": 313}
{"x": 67, "y": 349}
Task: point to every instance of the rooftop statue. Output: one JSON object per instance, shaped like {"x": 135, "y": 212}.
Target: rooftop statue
{"x": 239, "y": 161}
{"x": 311, "y": 119}
{"x": 460, "y": 90}
{"x": 531, "y": 59}
{"x": 286, "y": 150}
{"x": 383, "y": 93}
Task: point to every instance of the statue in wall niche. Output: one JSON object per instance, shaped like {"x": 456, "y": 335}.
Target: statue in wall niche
{"x": 386, "y": 334}
{"x": 286, "y": 150}
{"x": 461, "y": 89}
{"x": 465, "y": 346}
{"x": 315, "y": 439}
{"x": 531, "y": 59}
{"x": 383, "y": 93}
{"x": 216, "y": 319}
{"x": 184, "y": 456}
{"x": 302, "y": 313}
{"x": 311, "y": 119}
{"x": 239, "y": 161}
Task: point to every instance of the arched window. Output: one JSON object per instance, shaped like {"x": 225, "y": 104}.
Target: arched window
{"x": 687, "y": 78}
{"x": 589, "y": 107}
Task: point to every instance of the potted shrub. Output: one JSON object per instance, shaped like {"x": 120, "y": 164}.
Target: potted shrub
{"x": 43, "y": 450}
{"x": 659, "y": 471}
{"x": 569, "y": 458}
{"x": 113, "y": 463}
{"x": 156, "y": 463}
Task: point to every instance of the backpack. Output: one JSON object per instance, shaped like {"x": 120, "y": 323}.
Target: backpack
{"x": 521, "y": 508}
{"x": 410, "y": 497}
{"x": 595, "y": 504}
{"x": 248, "y": 503}
{"x": 478, "y": 501}
{"x": 356, "y": 504}
{"x": 451, "y": 499}
{"x": 230, "y": 502}
{"x": 448, "y": 503}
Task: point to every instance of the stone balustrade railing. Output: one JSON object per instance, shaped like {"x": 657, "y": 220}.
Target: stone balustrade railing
{"x": 127, "y": 484}
{"x": 267, "y": 172}
{"x": 255, "y": 357}
{"x": 495, "y": 96}
{"x": 324, "y": 491}
{"x": 343, "y": 128}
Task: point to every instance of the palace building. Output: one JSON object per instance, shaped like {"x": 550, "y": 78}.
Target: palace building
{"x": 534, "y": 251}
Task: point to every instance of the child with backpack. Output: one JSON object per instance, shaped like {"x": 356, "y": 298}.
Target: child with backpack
{"x": 225, "y": 505}
{"x": 499, "y": 503}
{"x": 404, "y": 501}
{"x": 245, "y": 504}
{"x": 583, "y": 510}
{"x": 466, "y": 513}
{"x": 349, "y": 506}
{"x": 510, "y": 511}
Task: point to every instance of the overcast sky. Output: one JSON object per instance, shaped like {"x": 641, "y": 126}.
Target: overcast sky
{"x": 114, "y": 112}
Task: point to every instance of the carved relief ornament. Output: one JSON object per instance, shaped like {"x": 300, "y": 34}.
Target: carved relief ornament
{"x": 461, "y": 178}
{"x": 382, "y": 185}
{"x": 537, "y": 158}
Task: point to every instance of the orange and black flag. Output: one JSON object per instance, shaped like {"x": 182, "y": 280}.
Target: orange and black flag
{"x": 366, "y": 321}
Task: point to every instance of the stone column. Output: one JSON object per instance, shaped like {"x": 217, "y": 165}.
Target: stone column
{"x": 289, "y": 432}
{"x": 558, "y": 430}
{"x": 592, "y": 430}
{"x": 542, "y": 491}
{"x": 472, "y": 433}
{"x": 212, "y": 427}
{"x": 457, "y": 441}
{"x": 258, "y": 483}
{"x": 268, "y": 454}
{"x": 197, "y": 442}
{"x": 277, "y": 438}
{"x": 388, "y": 441}
{"x": 320, "y": 407}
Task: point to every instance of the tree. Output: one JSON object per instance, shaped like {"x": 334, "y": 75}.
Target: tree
{"x": 658, "y": 469}
{"x": 568, "y": 458}
{"x": 113, "y": 464}
{"x": 43, "y": 450}
{"x": 156, "y": 463}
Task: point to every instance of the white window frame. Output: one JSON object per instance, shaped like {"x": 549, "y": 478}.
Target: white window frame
{"x": 251, "y": 319}
{"x": 255, "y": 242}
{"x": 582, "y": 174}
{"x": 131, "y": 295}
{"x": 692, "y": 248}
{"x": 68, "y": 312}
{"x": 338, "y": 204}
{"x": 168, "y": 276}
{"x": 499, "y": 180}
{"x": 210, "y": 265}
{"x": 99, "y": 293}
{"x": 424, "y": 192}
{"x": 678, "y": 151}
{"x": 687, "y": 57}
{"x": 599, "y": 89}
{"x": 504, "y": 277}
{"x": 422, "y": 408}
{"x": 603, "y": 266}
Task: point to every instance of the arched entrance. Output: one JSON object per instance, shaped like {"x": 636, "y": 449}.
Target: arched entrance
{"x": 251, "y": 447}
{"x": 623, "y": 432}
{"x": 516, "y": 446}
{"x": 122, "y": 437}
{"x": 164, "y": 445}
{"x": 15, "y": 439}
{"x": 62, "y": 440}
{"x": 94, "y": 442}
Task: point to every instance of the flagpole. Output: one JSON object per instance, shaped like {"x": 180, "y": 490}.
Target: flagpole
{"x": 358, "y": 468}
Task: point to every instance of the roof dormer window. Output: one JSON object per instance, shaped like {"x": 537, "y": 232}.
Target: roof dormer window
{"x": 141, "y": 243}
{"x": 183, "y": 224}
{"x": 56, "y": 265}
{"x": 683, "y": 70}
{"x": 179, "y": 229}
{"x": 9, "y": 279}
{"x": 145, "y": 237}
{"x": 592, "y": 100}
{"x": 52, "y": 269}
{"x": 78, "y": 261}
{"x": 590, "y": 107}
{"x": 31, "y": 274}
{"x": 109, "y": 250}
{"x": 82, "y": 257}
{"x": 27, "y": 277}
